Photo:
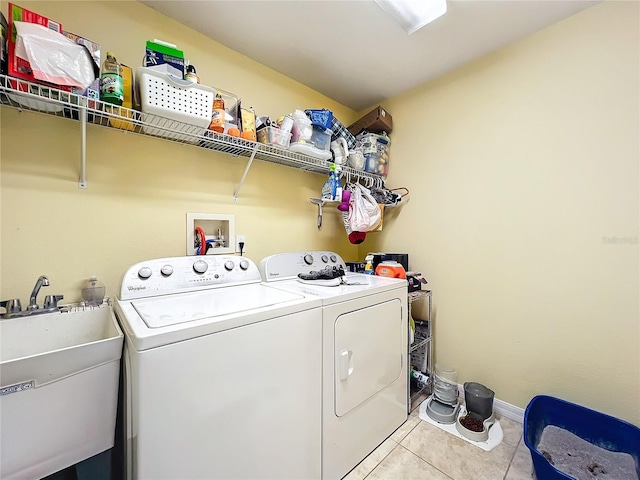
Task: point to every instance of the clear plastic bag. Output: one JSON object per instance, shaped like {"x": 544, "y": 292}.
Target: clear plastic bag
{"x": 364, "y": 213}
{"x": 53, "y": 57}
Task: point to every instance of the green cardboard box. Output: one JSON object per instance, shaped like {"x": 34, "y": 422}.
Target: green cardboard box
{"x": 159, "y": 53}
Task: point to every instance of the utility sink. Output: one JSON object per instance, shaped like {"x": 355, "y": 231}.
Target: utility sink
{"x": 59, "y": 375}
{"x": 45, "y": 348}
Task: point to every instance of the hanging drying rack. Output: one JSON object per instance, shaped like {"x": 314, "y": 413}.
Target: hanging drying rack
{"x": 27, "y": 96}
{"x": 368, "y": 181}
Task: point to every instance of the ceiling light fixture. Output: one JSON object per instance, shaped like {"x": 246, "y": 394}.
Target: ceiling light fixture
{"x": 413, "y": 14}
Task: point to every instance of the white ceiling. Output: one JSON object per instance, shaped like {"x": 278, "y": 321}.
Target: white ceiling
{"x": 351, "y": 50}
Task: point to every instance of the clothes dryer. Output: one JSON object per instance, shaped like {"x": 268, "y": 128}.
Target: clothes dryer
{"x": 222, "y": 372}
{"x": 364, "y": 354}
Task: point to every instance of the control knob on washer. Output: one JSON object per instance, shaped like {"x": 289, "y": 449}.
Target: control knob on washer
{"x": 228, "y": 265}
{"x": 166, "y": 270}
{"x": 244, "y": 265}
{"x": 324, "y": 258}
{"x": 200, "y": 266}
{"x": 334, "y": 259}
{"x": 308, "y": 259}
{"x": 144, "y": 273}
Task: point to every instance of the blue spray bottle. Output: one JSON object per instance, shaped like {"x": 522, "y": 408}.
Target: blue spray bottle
{"x": 329, "y": 187}
{"x": 337, "y": 190}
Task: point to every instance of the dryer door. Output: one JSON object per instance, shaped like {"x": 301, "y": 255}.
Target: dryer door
{"x": 368, "y": 353}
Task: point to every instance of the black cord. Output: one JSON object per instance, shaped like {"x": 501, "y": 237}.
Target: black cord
{"x": 241, "y": 244}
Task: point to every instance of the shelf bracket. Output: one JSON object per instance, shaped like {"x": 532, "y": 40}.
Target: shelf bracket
{"x": 82, "y": 113}
{"x": 244, "y": 175}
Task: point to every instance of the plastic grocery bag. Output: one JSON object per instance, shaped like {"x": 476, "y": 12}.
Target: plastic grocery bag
{"x": 364, "y": 213}
{"x": 378, "y": 228}
{"x": 53, "y": 57}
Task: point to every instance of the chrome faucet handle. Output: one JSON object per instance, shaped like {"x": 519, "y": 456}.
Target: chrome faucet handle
{"x": 51, "y": 301}
{"x": 11, "y": 306}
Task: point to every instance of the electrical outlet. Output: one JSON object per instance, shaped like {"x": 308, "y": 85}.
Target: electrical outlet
{"x": 241, "y": 238}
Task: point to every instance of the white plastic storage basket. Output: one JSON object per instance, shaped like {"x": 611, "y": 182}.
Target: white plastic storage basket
{"x": 180, "y": 109}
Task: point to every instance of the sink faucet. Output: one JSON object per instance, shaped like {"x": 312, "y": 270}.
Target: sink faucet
{"x": 13, "y": 309}
{"x": 43, "y": 281}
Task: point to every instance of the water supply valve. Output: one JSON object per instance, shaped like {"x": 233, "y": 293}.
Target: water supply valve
{"x": 11, "y": 306}
{"x": 51, "y": 301}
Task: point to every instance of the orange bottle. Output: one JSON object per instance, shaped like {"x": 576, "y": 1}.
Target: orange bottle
{"x": 217, "y": 115}
{"x": 390, "y": 269}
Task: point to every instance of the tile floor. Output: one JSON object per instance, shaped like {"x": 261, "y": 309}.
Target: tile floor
{"x": 419, "y": 450}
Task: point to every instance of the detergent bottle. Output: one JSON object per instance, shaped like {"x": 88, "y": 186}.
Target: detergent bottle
{"x": 392, "y": 269}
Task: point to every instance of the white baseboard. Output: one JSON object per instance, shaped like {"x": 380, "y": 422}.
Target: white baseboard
{"x": 500, "y": 407}
{"x": 507, "y": 410}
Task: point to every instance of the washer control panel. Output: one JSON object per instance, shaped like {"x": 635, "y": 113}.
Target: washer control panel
{"x": 163, "y": 276}
{"x": 288, "y": 265}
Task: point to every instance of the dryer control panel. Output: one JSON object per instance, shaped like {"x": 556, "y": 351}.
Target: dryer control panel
{"x": 163, "y": 276}
{"x": 288, "y": 265}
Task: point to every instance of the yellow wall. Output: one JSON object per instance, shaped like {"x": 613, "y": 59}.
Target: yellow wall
{"x": 521, "y": 167}
{"x": 140, "y": 188}
{"x": 523, "y": 171}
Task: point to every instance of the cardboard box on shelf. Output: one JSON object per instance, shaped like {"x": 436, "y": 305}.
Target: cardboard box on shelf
{"x": 248, "y": 124}
{"x": 4, "y": 33}
{"x": 377, "y": 120}
{"x": 93, "y": 90}
{"x": 162, "y": 53}
{"x": 19, "y": 67}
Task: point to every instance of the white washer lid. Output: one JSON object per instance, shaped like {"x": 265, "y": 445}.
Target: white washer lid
{"x": 169, "y": 310}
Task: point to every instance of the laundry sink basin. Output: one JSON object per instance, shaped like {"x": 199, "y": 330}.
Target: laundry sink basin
{"x": 59, "y": 376}
{"x": 47, "y": 347}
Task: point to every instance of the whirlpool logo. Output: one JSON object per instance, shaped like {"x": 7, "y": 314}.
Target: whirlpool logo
{"x": 309, "y": 292}
{"x": 139, "y": 287}
{"x": 18, "y": 387}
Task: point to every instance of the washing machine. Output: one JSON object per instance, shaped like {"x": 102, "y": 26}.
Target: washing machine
{"x": 364, "y": 354}
{"x": 222, "y": 373}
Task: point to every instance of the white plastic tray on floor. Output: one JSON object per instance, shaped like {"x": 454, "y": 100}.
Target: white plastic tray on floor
{"x": 495, "y": 432}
